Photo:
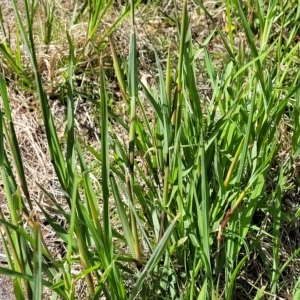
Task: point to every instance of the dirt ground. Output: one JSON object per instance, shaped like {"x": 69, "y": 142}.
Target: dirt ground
{"x": 6, "y": 288}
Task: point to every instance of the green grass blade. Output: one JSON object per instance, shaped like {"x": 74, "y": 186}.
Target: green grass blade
{"x": 133, "y": 94}
{"x": 296, "y": 132}
{"x": 37, "y": 274}
{"x": 12, "y": 140}
{"x": 119, "y": 73}
{"x": 105, "y": 163}
{"x": 123, "y": 218}
{"x": 252, "y": 45}
{"x": 276, "y": 230}
{"x": 153, "y": 260}
{"x": 296, "y": 290}
{"x": 70, "y": 115}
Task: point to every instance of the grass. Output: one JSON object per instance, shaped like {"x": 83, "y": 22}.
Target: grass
{"x": 184, "y": 195}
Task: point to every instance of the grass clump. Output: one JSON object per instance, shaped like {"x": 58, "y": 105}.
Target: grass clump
{"x": 185, "y": 191}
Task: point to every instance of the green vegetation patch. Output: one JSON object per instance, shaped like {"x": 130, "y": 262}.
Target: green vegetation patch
{"x": 149, "y": 149}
